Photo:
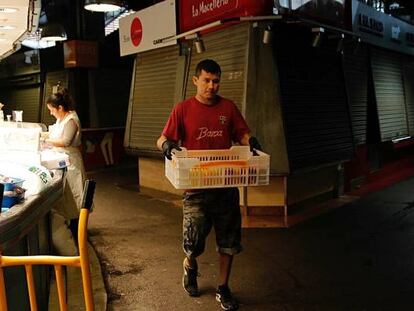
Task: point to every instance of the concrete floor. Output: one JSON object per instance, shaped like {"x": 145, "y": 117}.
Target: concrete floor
{"x": 357, "y": 257}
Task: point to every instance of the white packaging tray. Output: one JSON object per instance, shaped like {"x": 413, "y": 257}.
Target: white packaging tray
{"x": 234, "y": 167}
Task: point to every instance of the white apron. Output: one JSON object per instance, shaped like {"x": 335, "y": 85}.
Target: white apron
{"x": 75, "y": 175}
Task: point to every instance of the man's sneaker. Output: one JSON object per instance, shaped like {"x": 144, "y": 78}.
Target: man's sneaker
{"x": 190, "y": 280}
{"x": 224, "y": 296}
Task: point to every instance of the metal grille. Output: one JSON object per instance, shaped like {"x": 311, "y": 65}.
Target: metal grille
{"x": 26, "y": 99}
{"x": 153, "y": 96}
{"x": 409, "y": 94}
{"x": 356, "y": 79}
{"x": 389, "y": 92}
{"x": 316, "y": 116}
{"x": 228, "y": 47}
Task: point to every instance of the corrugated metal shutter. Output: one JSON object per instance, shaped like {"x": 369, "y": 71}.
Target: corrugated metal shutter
{"x": 28, "y": 100}
{"x": 229, "y": 48}
{"x": 153, "y": 99}
{"x": 355, "y": 62}
{"x": 389, "y": 92}
{"x": 22, "y": 93}
{"x": 23, "y": 98}
{"x": 52, "y": 78}
{"x": 409, "y": 93}
{"x": 316, "y": 115}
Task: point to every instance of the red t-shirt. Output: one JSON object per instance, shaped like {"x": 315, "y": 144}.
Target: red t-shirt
{"x": 200, "y": 126}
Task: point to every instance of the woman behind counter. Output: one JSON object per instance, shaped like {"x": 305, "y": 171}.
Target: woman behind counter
{"x": 65, "y": 136}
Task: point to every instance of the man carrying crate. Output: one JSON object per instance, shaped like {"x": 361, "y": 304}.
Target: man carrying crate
{"x": 208, "y": 121}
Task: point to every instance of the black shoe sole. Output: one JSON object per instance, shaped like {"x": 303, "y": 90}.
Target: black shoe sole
{"x": 191, "y": 294}
{"x": 223, "y": 307}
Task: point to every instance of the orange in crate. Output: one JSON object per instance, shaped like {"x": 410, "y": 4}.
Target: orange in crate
{"x": 234, "y": 167}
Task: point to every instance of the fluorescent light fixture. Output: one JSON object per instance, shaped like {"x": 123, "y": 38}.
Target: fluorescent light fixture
{"x": 102, "y": 5}
{"x": 8, "y": 10}
{"x": 6, "y": 27}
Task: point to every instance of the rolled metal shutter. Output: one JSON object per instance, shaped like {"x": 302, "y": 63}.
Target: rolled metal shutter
{"x": 355, "y": 63}
{"x": 22, "y": 93}
{"x": 316, "y": 115}
{"x": 52, "y": 78}
{"x": 408, "y": 73}
{"x": 28, "y": 100}
{"x": 153, "y": 96}
{"x": 389, "y": 93}
{"x": 228, "y": 47}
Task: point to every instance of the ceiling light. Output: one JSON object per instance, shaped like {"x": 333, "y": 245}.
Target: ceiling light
{"x": 102, "y": 5}
{"x": 38, "y": 44}
{"x": 7, "y": 27}
{"x": 267, "y": 35}
{"x": 317, "y": 36}
{"x": 199, "y": 45}
{"x": 340, "y": 45}
{"x": 8, "y": 10}
{"x": 33, "y": 41}
{"x": 53, "y": 32}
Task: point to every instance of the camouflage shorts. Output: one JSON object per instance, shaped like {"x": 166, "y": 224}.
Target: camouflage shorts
{"x": 218, "y": 208}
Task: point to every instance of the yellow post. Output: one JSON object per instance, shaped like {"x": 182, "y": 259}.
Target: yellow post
{"x": 31, "y": 288}
{"x": 60, "y": 287}
{"x": 3, "y": 299}
{"x": 84, "y": 260}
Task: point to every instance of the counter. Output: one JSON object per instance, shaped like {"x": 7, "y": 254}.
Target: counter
{"x": 25, "y": 230}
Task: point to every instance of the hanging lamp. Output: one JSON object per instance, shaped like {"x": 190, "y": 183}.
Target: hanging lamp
{"x": 102, "y": 5}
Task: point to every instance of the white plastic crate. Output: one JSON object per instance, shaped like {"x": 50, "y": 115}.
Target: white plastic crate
{"x": 234, "y": 167}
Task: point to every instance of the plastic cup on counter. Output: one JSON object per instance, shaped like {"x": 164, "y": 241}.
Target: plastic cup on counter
{"x": 17, "y": 115}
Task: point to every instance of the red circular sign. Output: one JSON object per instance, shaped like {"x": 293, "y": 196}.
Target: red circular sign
{"x": 136, "y": 31}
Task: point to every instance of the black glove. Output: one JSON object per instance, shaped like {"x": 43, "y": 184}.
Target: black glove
{"x": 254, "y": 145}
{"x": 168, "y": 146}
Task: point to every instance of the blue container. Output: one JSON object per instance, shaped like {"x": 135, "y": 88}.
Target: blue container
{"x": 10, "y": 200}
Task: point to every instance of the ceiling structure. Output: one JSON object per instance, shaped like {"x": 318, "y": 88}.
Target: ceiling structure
{"x": 17, "y": 19}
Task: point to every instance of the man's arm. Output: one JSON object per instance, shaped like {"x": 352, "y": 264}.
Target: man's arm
{"x": 244, "y": 141}
{"x": 248, "y": 140}
{"x": 167, "y": 146}
{"x": 160, "y": 141}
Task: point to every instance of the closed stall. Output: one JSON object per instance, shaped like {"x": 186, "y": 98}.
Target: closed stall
{"x": 389, "y": 93}
{"x": 153, "y": 96}
{"x": 408, "y": 74}
{"x": 22, "y": 93}
{"x": 314, "y": 103}
{"x": 355, "y": 64}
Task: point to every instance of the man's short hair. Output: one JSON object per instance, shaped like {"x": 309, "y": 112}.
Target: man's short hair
{"x": 208, "y": 65}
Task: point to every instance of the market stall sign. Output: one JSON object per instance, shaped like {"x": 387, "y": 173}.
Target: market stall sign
{"x": 80, "y": 53}
{"x": 381, "y": 29}
{"x": 148, "y": 29}
{"x": 196, "y": 13}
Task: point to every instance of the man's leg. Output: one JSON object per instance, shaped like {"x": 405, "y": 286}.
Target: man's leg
{"x": 190, "y": 275}
{"x": 223, "y": 293}
{"x": 225, "y": 269}
{"x": 196, "y": 227}
{"x": 228, "y": 235}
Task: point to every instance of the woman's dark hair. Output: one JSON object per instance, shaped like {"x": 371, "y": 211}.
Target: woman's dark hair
{"x": 60, "y": 97}
{"x": 208, "y": 65}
